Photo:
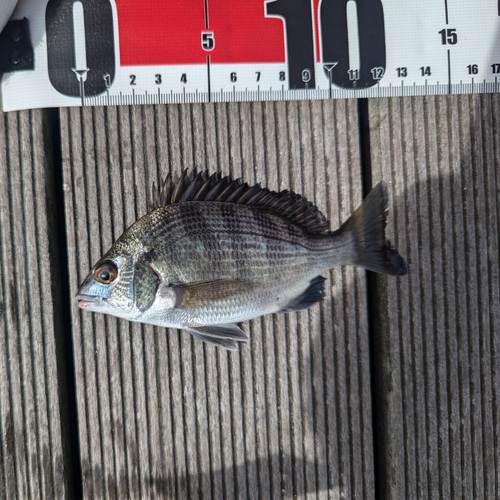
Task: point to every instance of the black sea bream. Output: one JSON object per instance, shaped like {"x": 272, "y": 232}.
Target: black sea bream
{"x": 213, "y": 252}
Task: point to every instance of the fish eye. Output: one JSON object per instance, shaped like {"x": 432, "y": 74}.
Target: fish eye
{"x": 106, "y": 273}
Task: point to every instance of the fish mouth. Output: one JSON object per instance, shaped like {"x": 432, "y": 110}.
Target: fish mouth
{"x": 87, "y": 301}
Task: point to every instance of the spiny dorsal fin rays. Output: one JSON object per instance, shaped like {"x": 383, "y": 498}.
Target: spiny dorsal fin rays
{"x": 161, "y": 194}
{"x": 181, "y": 186}
{"x": 200, "y": 179}
{"x": 204, "y": 187}
{"x": 217, "y": 189}
{"x": 230, "y": 188}
{"x": 243, "y": 187}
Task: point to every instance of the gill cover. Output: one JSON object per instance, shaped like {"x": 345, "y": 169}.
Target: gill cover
{"x": 146, "y": 283}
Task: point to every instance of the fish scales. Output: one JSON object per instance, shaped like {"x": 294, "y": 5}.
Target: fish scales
{"x": 201, "y": 263}
{"x": 238, "y": 244}
{"x": 224, "y": 241}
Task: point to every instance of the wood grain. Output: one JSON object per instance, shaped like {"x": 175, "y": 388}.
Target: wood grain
{"x": 437, "y": 330}
{"x": 33, "y": 453}
{"x": 160, "y": 413}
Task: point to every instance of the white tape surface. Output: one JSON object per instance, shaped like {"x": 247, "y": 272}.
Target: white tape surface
{"x": 100, "y": 52}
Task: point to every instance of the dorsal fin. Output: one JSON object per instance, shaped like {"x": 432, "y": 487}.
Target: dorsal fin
{"x": 205, "y": 187}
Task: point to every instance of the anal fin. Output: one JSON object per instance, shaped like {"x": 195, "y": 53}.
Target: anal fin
{"x": 224, "y": 336}
{"x": 313, "y": 294}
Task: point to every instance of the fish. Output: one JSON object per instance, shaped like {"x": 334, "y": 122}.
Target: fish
{"x": 213, "y": 252}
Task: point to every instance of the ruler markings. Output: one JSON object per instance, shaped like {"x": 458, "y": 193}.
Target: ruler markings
{"x": 449, "y": 73}
{"x": 207, "y": 24}
{"x": 209, "y": 79}
{"x": 349, "y": 50}
{"x": 243, "y": 96}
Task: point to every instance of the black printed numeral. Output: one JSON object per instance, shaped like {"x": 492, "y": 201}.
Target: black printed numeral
{"x": 133, "y": 78}
{"x": 353, "y": 74}
{"x": 297, "y": 16}
{"x": 448, "y": 36}
{"x": 335, "y": 43}
{"x": 378, "y": 73}
{"x": 402, "y": 72}
{"x": 298, "y": 19}
{"x": 207, "y": 41}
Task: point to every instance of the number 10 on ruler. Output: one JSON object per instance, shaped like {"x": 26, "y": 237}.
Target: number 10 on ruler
{"x": 348, "y": 61}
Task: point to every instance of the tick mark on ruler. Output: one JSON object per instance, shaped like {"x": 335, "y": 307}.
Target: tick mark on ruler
{"x": 206, "y": 15}
{"x": 449, "y": 73}
{"x": 208, "y": 79}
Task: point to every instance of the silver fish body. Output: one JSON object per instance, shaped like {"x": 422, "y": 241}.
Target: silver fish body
{"x": 214, "y": 252}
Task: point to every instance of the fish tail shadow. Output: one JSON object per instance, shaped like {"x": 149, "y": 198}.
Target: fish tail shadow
{"x": 371, "y": 248}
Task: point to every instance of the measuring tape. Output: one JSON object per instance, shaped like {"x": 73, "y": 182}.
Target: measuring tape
{"x": 104, "y": 52}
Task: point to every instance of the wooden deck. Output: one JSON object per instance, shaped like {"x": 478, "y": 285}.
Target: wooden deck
{"x": 388, "y": 390}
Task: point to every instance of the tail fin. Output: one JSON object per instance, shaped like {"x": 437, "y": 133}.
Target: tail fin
{"x": 371, "y": 249}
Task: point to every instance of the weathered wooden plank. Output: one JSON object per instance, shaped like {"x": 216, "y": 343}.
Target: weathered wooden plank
{"x": 161, "y": 413}
{"x": 33, "y": 459}
{"x": 438, "y": 329}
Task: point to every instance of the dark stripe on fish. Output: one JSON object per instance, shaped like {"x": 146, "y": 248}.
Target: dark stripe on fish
{"x": 273, "y": 229}
{"x": 237, "y": 240}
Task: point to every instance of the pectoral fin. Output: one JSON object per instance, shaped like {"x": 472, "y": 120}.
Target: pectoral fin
{"x": 206, "y": 293}
{"x": 220, "y": 335}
